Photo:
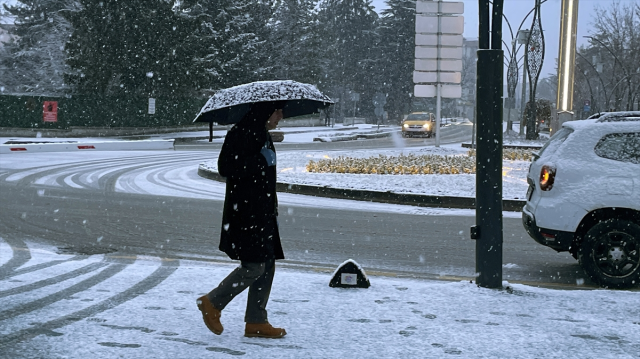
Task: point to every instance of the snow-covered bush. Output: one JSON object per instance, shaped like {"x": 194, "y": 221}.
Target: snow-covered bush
{"x": 411, "y": 164}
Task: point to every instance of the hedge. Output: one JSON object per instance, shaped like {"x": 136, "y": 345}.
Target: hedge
{"x": 98, "y": 111}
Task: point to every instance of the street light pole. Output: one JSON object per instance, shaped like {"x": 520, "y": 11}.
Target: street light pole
{"x": 594, "y": 104}
{"x": 512, "y": 82}
{"x": 523, "y": 38}
{"x": 604, "y": 88}
{"x": 566, "y": 61}
{"x": 523, "y": 98}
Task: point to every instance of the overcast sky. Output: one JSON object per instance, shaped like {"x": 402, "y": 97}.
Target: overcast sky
{"x": 516, "y": 10}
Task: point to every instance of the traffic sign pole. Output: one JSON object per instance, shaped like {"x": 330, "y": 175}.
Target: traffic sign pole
{"x": 438, "y": 86}
{"x": 438, "y": 54}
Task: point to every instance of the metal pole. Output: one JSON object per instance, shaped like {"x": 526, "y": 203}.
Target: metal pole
{"x": 353, "y": 121}
{"x": 438, "y": 120}
{"x": 488, "y": 229}
{"x": 438, "y": 86}
{"x": 523, "y": 100}
{"x": 473, "y": 130}
{"x": 566, "y": 61}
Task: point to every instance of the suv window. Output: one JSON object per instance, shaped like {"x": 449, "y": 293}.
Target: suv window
{"x": 555, "y": 141}
{"x": 623, "y": 147}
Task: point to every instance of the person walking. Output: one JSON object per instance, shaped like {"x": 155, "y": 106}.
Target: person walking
{"x": 249, "y": 221}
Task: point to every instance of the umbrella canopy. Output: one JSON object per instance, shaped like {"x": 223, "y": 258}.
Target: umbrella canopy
{"x": 228, "y": 106}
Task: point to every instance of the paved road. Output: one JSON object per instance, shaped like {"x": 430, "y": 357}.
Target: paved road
{"x": 116, "y": 213}
{"x": 157, "y": 205}
{"x": 450, "y": 134}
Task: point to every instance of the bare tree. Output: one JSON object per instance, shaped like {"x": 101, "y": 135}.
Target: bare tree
{"x": 608, "y": 67}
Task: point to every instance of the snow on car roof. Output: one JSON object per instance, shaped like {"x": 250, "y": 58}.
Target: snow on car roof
{"x": 611, "y": 121}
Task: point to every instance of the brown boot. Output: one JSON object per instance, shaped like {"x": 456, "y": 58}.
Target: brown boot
{"x": 210, "y": 315}
{"x": 263, "y": 330}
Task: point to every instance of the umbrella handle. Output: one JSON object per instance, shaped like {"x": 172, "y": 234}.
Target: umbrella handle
{"x": 210, "y": 131}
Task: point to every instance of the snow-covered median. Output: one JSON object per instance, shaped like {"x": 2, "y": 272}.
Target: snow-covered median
{"x": 292, "y": 169}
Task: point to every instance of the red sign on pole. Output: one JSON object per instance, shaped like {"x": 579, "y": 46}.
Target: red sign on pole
{"x": 50, "y": 111}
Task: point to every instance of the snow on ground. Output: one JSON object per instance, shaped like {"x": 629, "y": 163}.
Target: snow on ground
{"x": 292, "y": 169}
{"x": 292, "y": 165}
{"x": 394, "y": 318}
{"x": 176, "y": 180}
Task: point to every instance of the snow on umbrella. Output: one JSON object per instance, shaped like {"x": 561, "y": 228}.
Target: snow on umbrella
{"x": 228, "y": 106}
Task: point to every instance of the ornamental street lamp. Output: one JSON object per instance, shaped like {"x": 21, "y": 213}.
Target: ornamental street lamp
{"x": 512, "y": 82}
{"x": 534, "y": 57}
{"x": 521, "y": 37}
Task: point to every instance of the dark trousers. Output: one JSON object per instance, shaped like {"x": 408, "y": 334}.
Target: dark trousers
{"x": 258, "y": 277}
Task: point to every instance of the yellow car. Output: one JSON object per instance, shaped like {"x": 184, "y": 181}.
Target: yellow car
{"x": 419, "y": 124}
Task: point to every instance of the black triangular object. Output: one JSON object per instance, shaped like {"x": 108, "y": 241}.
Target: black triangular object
{"x": 349, "y": 275}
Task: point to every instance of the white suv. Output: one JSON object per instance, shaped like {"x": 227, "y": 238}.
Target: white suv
{"x": 584, "y": 196}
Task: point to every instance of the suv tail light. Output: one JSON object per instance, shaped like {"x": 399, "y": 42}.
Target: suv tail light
{"x": 547, "y": 176}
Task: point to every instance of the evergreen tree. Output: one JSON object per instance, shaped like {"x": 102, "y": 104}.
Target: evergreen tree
{"x": 397, "y": 53}
{"x": 349, "y": 44}
{"x": 233, "y": 47}
{"x": 294, "y": 41}
{"x": 140, "y": 47}
{"x": 34, "y": 60}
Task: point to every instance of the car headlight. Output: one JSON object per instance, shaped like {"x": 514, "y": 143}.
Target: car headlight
{"x": 405, "y": 125}
{"x": 426, "y": 125}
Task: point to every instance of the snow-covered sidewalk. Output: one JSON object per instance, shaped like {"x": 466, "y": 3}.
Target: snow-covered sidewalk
{"x": 394, "y": 318}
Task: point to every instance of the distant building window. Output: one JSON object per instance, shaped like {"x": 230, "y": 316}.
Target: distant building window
{"x": 624, "y": 147}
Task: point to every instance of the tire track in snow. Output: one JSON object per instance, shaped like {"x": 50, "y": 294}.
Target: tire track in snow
{"x": 45, "y": 265}
{"x": 103, "y": 275}
{"x": 53, "y": 280}
{"x": 155, "y": 278}
{"x": 108, "y": 183}
{"x": 33, "y": 174}
{"x": 21, "y": 255}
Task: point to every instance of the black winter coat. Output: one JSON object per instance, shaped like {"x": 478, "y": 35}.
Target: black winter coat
{"x": 249, "y": 220}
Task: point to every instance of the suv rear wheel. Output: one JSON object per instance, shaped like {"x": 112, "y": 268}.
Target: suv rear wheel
{"x": 610, "y": 253}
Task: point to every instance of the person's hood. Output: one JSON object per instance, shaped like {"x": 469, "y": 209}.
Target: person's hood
{"x": 259, "y": 114}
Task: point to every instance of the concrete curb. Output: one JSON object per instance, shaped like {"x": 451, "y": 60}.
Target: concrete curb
{"x": 366, "y": 136}
{"x": 69, "y": 146}
{"x": 376, "y": 196}
{"x": 515, "y": 147}
{"x": 75, "y": 131}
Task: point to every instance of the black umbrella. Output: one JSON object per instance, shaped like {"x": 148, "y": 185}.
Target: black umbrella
{"x": 228, "y": 106}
